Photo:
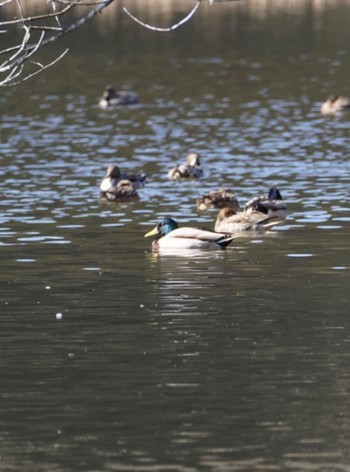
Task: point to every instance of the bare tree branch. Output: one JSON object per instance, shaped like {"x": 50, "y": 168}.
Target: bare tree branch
{"x": 41, "y": 67}
{"x": 19, "y": 54}
{"x": 42, "y": 29}
{"x": 171, "y": 28}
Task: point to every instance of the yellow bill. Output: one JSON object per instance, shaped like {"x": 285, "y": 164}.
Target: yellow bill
{"x": 153, "y": 232}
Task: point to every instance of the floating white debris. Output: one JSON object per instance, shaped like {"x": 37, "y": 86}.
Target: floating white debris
{"x": 59, "y": 316}
{"x": 300, "y": 255}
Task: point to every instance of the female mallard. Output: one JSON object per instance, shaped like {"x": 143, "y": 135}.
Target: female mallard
{"x": 122, "y": 191}
{"x": 335, "y": 104}
{"x": 111, "y": 185}
{"x": 112, "y": 98}
{"x": 191, "y": 169}
{"x": 170, "y": 236}
{"x": 218, "y": 199}
{"x": 271, "y": 205}
{"x": 228, "y": 221}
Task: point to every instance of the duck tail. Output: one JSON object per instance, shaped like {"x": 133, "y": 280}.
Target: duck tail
{"x": 274, "y": 194}
{"x": 224, "y": 241}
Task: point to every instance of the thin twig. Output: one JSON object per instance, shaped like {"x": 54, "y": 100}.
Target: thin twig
{"x": 42, "y": 67}
{"x": 67, "y": 30}
{"x": 5, "y": 2}
{"x": 30, "y": 19}
{"x": 4, "y": 66}
{"x": 56, "y": 16}
{"x": 171, "y": 28}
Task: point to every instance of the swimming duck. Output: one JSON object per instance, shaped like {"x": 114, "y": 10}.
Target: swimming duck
{"x": 170, "y": 236}
{"x": 191, "y": 169}
{"x": 335, "y": 104}
{"x": 271, "y": 205}
{"x": 109, "y": 184}
{"x": 228, "y": 221}
{"x": 218, "y": 199}
{"x": 122, "y": 191}
{"x": 112, "y": 98}
{"x": 260, "y": 213}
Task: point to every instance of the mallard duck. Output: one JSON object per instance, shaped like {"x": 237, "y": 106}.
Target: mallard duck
{"x": 111, "y": 185}
{"x": 271, "y": 205}
{"x": 260, "y": 213}
{"x": 170, "y": 236}
{"x": 335, "y": 104}
{"x": 191, "y": 169}
{"x": 218, "y": 199}
{"x": 122, "y": 191}
{"x": 112, "y": 98}
{"x": 228, "y": 221}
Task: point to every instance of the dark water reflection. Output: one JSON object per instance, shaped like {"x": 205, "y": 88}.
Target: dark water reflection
{"x": 116, "y": 358}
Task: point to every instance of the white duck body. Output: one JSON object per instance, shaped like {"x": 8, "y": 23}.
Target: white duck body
{"x": 190, "y": 238}
{"x": 107, "y": 184}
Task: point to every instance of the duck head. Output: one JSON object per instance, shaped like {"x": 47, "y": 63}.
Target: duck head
{"x": 332, "y": 98}
{"x": 193, "y": 159}
{"x": 113, "y": 172}
{"x": 225, "y": 213}
{"x": 163, "y": 227}
{"x": 203, "y": 203}
{"x": 109, "y": 93}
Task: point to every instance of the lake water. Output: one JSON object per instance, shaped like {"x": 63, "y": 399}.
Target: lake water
{"x": 116, "y": 358}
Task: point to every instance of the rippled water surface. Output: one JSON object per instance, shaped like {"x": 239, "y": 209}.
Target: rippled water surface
{"x": 116, "y": 358}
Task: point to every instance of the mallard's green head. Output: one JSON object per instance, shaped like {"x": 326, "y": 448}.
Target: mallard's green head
{"x": 163, "y": 227}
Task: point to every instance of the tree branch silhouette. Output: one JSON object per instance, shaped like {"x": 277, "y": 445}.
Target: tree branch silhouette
{"x": 36, "y": 31}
